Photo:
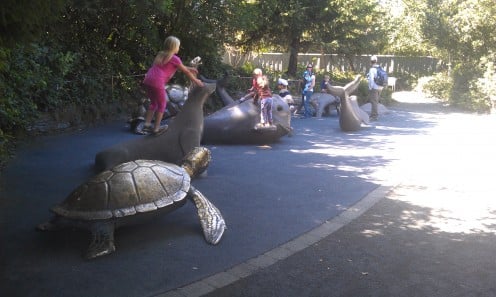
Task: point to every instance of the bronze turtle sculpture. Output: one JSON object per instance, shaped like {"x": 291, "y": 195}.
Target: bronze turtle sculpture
{"x": 132, "y": 191}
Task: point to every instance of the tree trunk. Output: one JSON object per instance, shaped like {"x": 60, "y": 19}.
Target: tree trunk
{"x": 293, "y": 56}
{"x": 350, "y": 62}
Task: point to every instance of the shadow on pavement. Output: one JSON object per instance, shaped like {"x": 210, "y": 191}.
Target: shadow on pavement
{"x": 267, "y": 194}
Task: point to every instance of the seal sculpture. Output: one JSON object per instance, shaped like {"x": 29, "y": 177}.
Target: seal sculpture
{"x": 235, "y": 123}
{"x": 131, "y": 192}
{"x": 322, "y": 102}
{"x": 184, "y": 134}
{"x": 351, "y": 116}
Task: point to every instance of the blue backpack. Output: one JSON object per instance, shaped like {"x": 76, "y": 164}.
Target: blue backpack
{"x": 381, "y": 78}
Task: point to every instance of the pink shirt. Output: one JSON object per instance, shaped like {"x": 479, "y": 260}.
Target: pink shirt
{"x": 158, "y": 75}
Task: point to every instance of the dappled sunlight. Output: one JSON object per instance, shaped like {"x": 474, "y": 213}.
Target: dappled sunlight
{"x": 336, "y": 151}
{"x": 450, "y": 210}
{"x": 341, "y": 170}
{"x": 437, "y": 211}
{"x": 414, "y": 98}
{"x": 237, "y": 112}
{"x": 443, "y": 163}
{"x": 362, "y": 169}
{"x": 370, "y": 233}
{"x": 447, "y": 178}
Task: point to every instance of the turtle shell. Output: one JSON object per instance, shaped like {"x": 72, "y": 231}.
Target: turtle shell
{"x": 129, "y": 188}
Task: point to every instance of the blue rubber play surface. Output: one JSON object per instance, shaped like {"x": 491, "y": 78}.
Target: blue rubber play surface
{"x": 268, "y": 195}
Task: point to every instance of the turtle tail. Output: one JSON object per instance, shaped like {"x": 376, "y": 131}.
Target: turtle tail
{"x": 211, "y": 219}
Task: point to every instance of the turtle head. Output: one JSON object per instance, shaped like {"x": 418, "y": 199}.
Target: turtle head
{"x": 196, "y": 161}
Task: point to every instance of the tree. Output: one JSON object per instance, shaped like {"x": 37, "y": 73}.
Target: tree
{"x": 464, "y": 29}
{"x": 203, "y": 28}
{"x": 91, "y": 54}
{"x": 24, "y": 20}
{"x": 296, "y": 26}
{"x": 404, "y": 28}
{"x": 356, "y": 27}
{"x": 462, "y": 32}
{"x": 280, "y": 24}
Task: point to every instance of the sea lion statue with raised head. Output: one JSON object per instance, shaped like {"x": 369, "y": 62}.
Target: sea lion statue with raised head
{"x": 184, "y": 134}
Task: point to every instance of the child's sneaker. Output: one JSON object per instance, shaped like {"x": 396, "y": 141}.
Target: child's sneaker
{"x": 160, "y": 130}
{"x": 147, "y": 129}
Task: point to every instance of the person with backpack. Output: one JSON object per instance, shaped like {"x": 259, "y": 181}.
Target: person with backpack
{"x": 376, "y": 80}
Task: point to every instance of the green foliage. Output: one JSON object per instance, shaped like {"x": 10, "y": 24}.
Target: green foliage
{"x": 32, "y": 80}
{"x": 465, "y": 87}
{"x": 294, "y": 26}
{"x": 461, "y": 30}
{"x": 351, "y": 27}
{"x": 438, "y": 86}
{"x": 6, "y": 146}
{"x": 24, "y": 20}
{"x": 470, "y": 90}
{"x": 91, "y": 55}
{"x": 362, "y": 93}
{"x": 341, "y": 78}
{"x": 404, "y": 24}
{"x": 486, "y": 85}
{"x": 247, "y": 69}
{"x": 480, "y": 100}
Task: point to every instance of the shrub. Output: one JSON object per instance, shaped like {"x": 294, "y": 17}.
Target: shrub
{"x": 438, "y": 86}
{"x": 472, "y": 87}
{"x": 482, "y": 90}
{"x": 34, "y": 79}
{"x": 469, "y": 87}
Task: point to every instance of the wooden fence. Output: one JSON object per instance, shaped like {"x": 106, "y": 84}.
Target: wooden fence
{"x": 394, "y": 65}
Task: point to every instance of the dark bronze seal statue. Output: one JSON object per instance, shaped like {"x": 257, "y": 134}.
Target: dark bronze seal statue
{"x": 184, "y": 134}
{"x": 235, "y": 123}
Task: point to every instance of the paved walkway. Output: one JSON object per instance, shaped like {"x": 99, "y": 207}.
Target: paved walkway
{"x": 433, "y": 234}
{"x": 325, "y": 229}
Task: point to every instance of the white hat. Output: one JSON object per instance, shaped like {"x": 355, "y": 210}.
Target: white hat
{"x": 282, "y": 81}
{"x": 373, "y": 58}
{"x": 257, "y": 71}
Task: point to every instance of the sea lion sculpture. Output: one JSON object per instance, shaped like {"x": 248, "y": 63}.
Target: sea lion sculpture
{"x": 291, "y": 101}
{"x": 351, "y": 116}
{"x": 322, "y": 103}
{"x": 184, "y": 134}
{"x": 235, "y": 122}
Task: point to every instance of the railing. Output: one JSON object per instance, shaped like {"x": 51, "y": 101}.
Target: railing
{"x": 333, "y": 62}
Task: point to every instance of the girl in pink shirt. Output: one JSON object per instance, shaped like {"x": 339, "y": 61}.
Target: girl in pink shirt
{"x": 164, "y": 67}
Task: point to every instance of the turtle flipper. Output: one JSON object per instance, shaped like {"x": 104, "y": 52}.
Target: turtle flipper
{"x": 102, "y": 242}
{"x": 47, "y": 226}
{"x": 211, "y": 219}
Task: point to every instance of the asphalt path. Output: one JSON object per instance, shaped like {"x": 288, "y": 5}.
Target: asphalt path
{"x": 432, "y": 233}
{"x": 268, "y": 195}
